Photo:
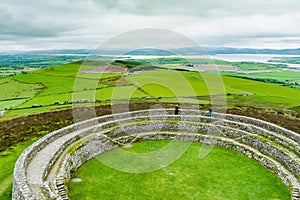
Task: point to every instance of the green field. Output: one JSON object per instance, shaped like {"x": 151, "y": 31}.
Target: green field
{"x": 223, "y": 174}
{"x": 166, "y": 83}
{"x": 8, "y": 159}
{"x": 169, "y": 62}
{"x": 47, "y": 86}
{"x": 12, "y": 89}
{"x": 290, "y": 60}
{"x": 55, "y": 87}
{"x": 284, "y": 78}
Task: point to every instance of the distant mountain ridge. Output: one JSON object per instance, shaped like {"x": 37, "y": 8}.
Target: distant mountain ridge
{"x": 159, "y": 52}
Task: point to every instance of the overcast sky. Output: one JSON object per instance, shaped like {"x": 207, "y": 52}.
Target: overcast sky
{"x": 56, "y": 24}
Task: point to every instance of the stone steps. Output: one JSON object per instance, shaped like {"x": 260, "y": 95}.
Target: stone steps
{"x": 61, "y": 188}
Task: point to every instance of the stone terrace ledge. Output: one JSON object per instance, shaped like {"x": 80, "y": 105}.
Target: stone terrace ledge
{"x": 48, "y": 162}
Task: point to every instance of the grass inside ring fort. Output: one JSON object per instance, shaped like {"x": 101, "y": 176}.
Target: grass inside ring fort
{"x": 222, "y": 174}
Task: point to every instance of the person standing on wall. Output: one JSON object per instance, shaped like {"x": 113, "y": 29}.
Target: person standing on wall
{"x": 210, "y": 112}
{"x": 176, "y": 110}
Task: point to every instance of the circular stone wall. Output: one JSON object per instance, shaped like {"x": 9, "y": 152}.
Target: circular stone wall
{"x": 44, "y": 169}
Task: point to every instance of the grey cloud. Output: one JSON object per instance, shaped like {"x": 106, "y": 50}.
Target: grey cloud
{"x": 39, "y": 18}
{"x": 202, "y": 7}
{"x": 85, "y": 23}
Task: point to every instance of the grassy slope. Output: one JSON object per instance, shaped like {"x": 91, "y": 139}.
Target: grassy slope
{"x": 59, "y": 84}
{"x": 12, "y": 90}
{"x": 8, "y": 159}
{"x": 166, "y": 83}
{"x": 284, "y": 77}
{"x": 223, "y": 174}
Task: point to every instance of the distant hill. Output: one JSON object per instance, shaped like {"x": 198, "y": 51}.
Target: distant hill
{"x": 226, "y": 50}
{"x": 49, "y": 52}
{"x": 150, "y": 51}
{"x": 158, "y": 52}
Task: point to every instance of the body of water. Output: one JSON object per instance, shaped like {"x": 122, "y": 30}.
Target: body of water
{"x": 263, "y": 58}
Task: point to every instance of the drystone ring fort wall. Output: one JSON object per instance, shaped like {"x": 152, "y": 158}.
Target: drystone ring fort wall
{"x": 44, "y": 169}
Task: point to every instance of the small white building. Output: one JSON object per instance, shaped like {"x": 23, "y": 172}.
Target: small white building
{"x": 2, "y": 112}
